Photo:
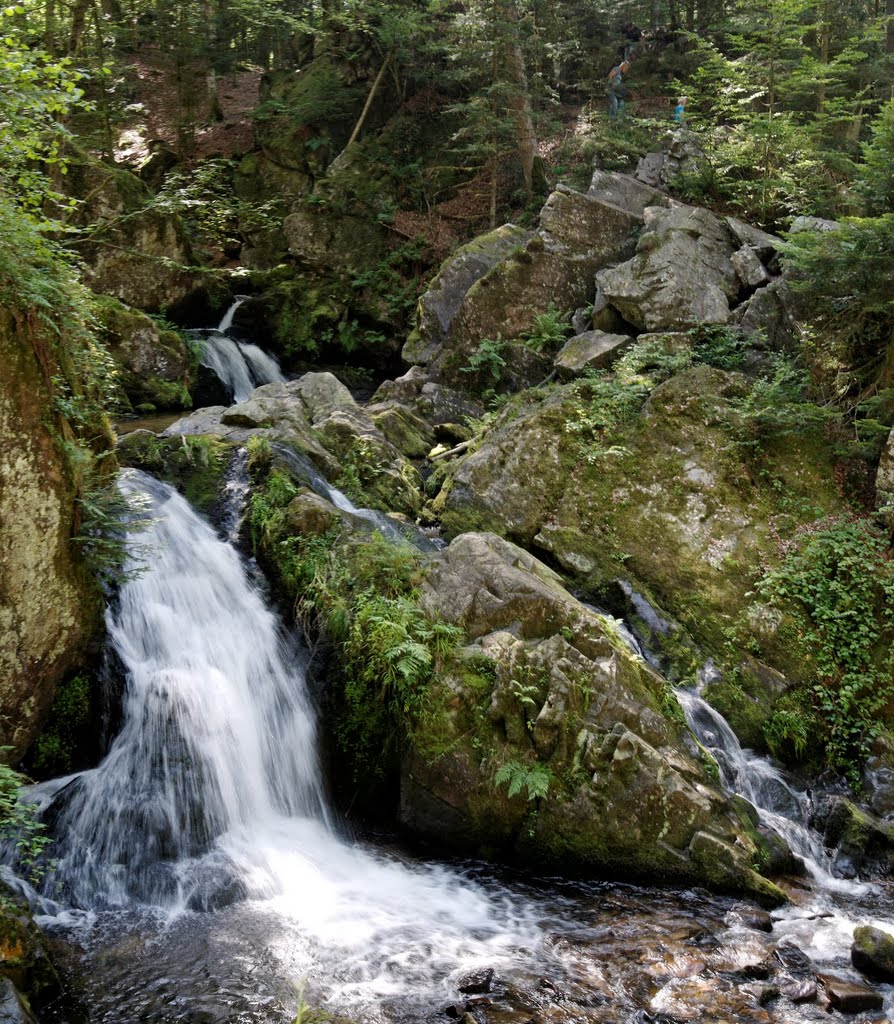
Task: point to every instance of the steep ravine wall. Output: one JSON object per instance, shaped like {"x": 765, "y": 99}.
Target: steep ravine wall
{"x": 49, "y": 610}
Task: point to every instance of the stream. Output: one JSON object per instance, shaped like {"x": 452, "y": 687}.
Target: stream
{"x": 204, "y": 877}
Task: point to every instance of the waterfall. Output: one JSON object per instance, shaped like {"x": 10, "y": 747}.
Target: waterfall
{"x": 218, "y": 733}
{"x": 781, "y": 807}
{"x": 241, "y": 367}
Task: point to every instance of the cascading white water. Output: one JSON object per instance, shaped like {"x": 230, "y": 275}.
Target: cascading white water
{"x": 241, "y": 367}
{"x": 211, "y": 792}
{"x": 780, "y": 805}
{"x": 217, "y": 735}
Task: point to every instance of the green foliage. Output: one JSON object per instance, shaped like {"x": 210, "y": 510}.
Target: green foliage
{"x": 844, "y": 278}
{"x": 487, "y": 360}
{"x": 18, "y": 822}
{"x": 55, "y": 749}
{"x": 548, "y": 332}
{"x": 718, "y": 345}
{"x": 838, "y": 582}
{"x": 535, "y": 779}
{"x": 777, "y": 404}
{"x": 875, "y": 180}
{"x": 107, "y": 516}
{"x": 362, "y": 596}
{"x": 610, "y": 400}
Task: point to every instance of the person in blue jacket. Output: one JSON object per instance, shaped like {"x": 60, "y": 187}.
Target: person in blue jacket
{"x": 680, "y": 110}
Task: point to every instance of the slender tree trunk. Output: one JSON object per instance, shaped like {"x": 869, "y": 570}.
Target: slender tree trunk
{"x": 108, "y": 141}
{"x": 506, "y": 15}
{"x": 358, "y": 127}
{"x": 49, "y": 27}
{"x": 825, "y": 32}
{"x": 889, "y": 36}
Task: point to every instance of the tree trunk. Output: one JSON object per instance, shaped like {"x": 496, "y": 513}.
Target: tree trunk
{"x": 78, "y": 25}
{"x": 519, "y": 100}
{"x": 889, "y": 35}
{"x": 358, "y": 127}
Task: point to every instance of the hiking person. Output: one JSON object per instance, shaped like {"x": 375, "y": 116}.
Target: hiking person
{"x": 616, "y": 91}
{"x": 680, "y": 110}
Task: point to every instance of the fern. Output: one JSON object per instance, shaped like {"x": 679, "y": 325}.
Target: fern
{"x": 517, "y": 775}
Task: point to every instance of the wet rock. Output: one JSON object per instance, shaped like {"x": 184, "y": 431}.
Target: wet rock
{"x": 804, "y": 991}
{"x": 861, "y": 841}
{"x": 794, "y": 960}
{"x": 681, "y": 275}
{"x": 761, "y": 994}
{"x": 590, "y": 351}
{"x": 13, "y": 1007}
{"x": 850, "y": 996}
{"x": 751, "y": 917}
{"x": 873, "y": 953}
{"x": 477, "y": 983}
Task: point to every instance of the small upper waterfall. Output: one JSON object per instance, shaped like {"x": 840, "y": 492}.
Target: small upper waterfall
{"x": 241, "y": 367}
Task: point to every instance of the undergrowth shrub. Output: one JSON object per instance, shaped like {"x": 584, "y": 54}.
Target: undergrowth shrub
{"x": 837, "y": 579}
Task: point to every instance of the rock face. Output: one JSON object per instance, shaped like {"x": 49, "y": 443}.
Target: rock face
{"x": 48, "y": 609}
{"x": 674, "y": 490}
{"x": 592, "y": 350}
{"x": 681, "y": 275}
{"x": 154, "y": 364}
{"x": 317, "y": 415}
{"x": 133, "y": 252}
{"x": 493, "y": 288}
{"x": 679, "y": 155}
{"x": 626, "y": 791}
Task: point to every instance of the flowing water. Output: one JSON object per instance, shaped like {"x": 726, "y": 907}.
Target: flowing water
{"x": 241, "y": 366}
{"x": 204, "y": 876}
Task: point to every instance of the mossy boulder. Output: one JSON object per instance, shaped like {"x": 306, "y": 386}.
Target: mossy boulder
{"x": 603, "y": 772}
{"x": 195, "y": 464}
{"x": 682, "y": 514}
{"x": 154, "y": 363}
{"x": 873, "y": 953}
{"x": 489, "y": 291}
{"x": 29, "y": 982}
{"x": 863, "y": 843}
{"x": 133, "y": 250}
{"x": 49, "y": 608}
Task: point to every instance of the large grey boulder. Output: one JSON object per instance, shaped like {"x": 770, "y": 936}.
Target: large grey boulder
{"x": 626, "y": 789}
{"x": 496, "y": 286}
{"x": 444, "y": 297}
{"x": 625, "y": 191}
{"x": 317, "y": 415}
{"x": 813, "y": 224}
{"x": 767, "y": 317}
{"x": 153, "y": 364}
{"x": 591, "y": 350}
{"x": 680, "y": 154}
{"x": 681, "y": 275}
{"x": 752, "y": 273}
{"x": 761, "y": 242}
